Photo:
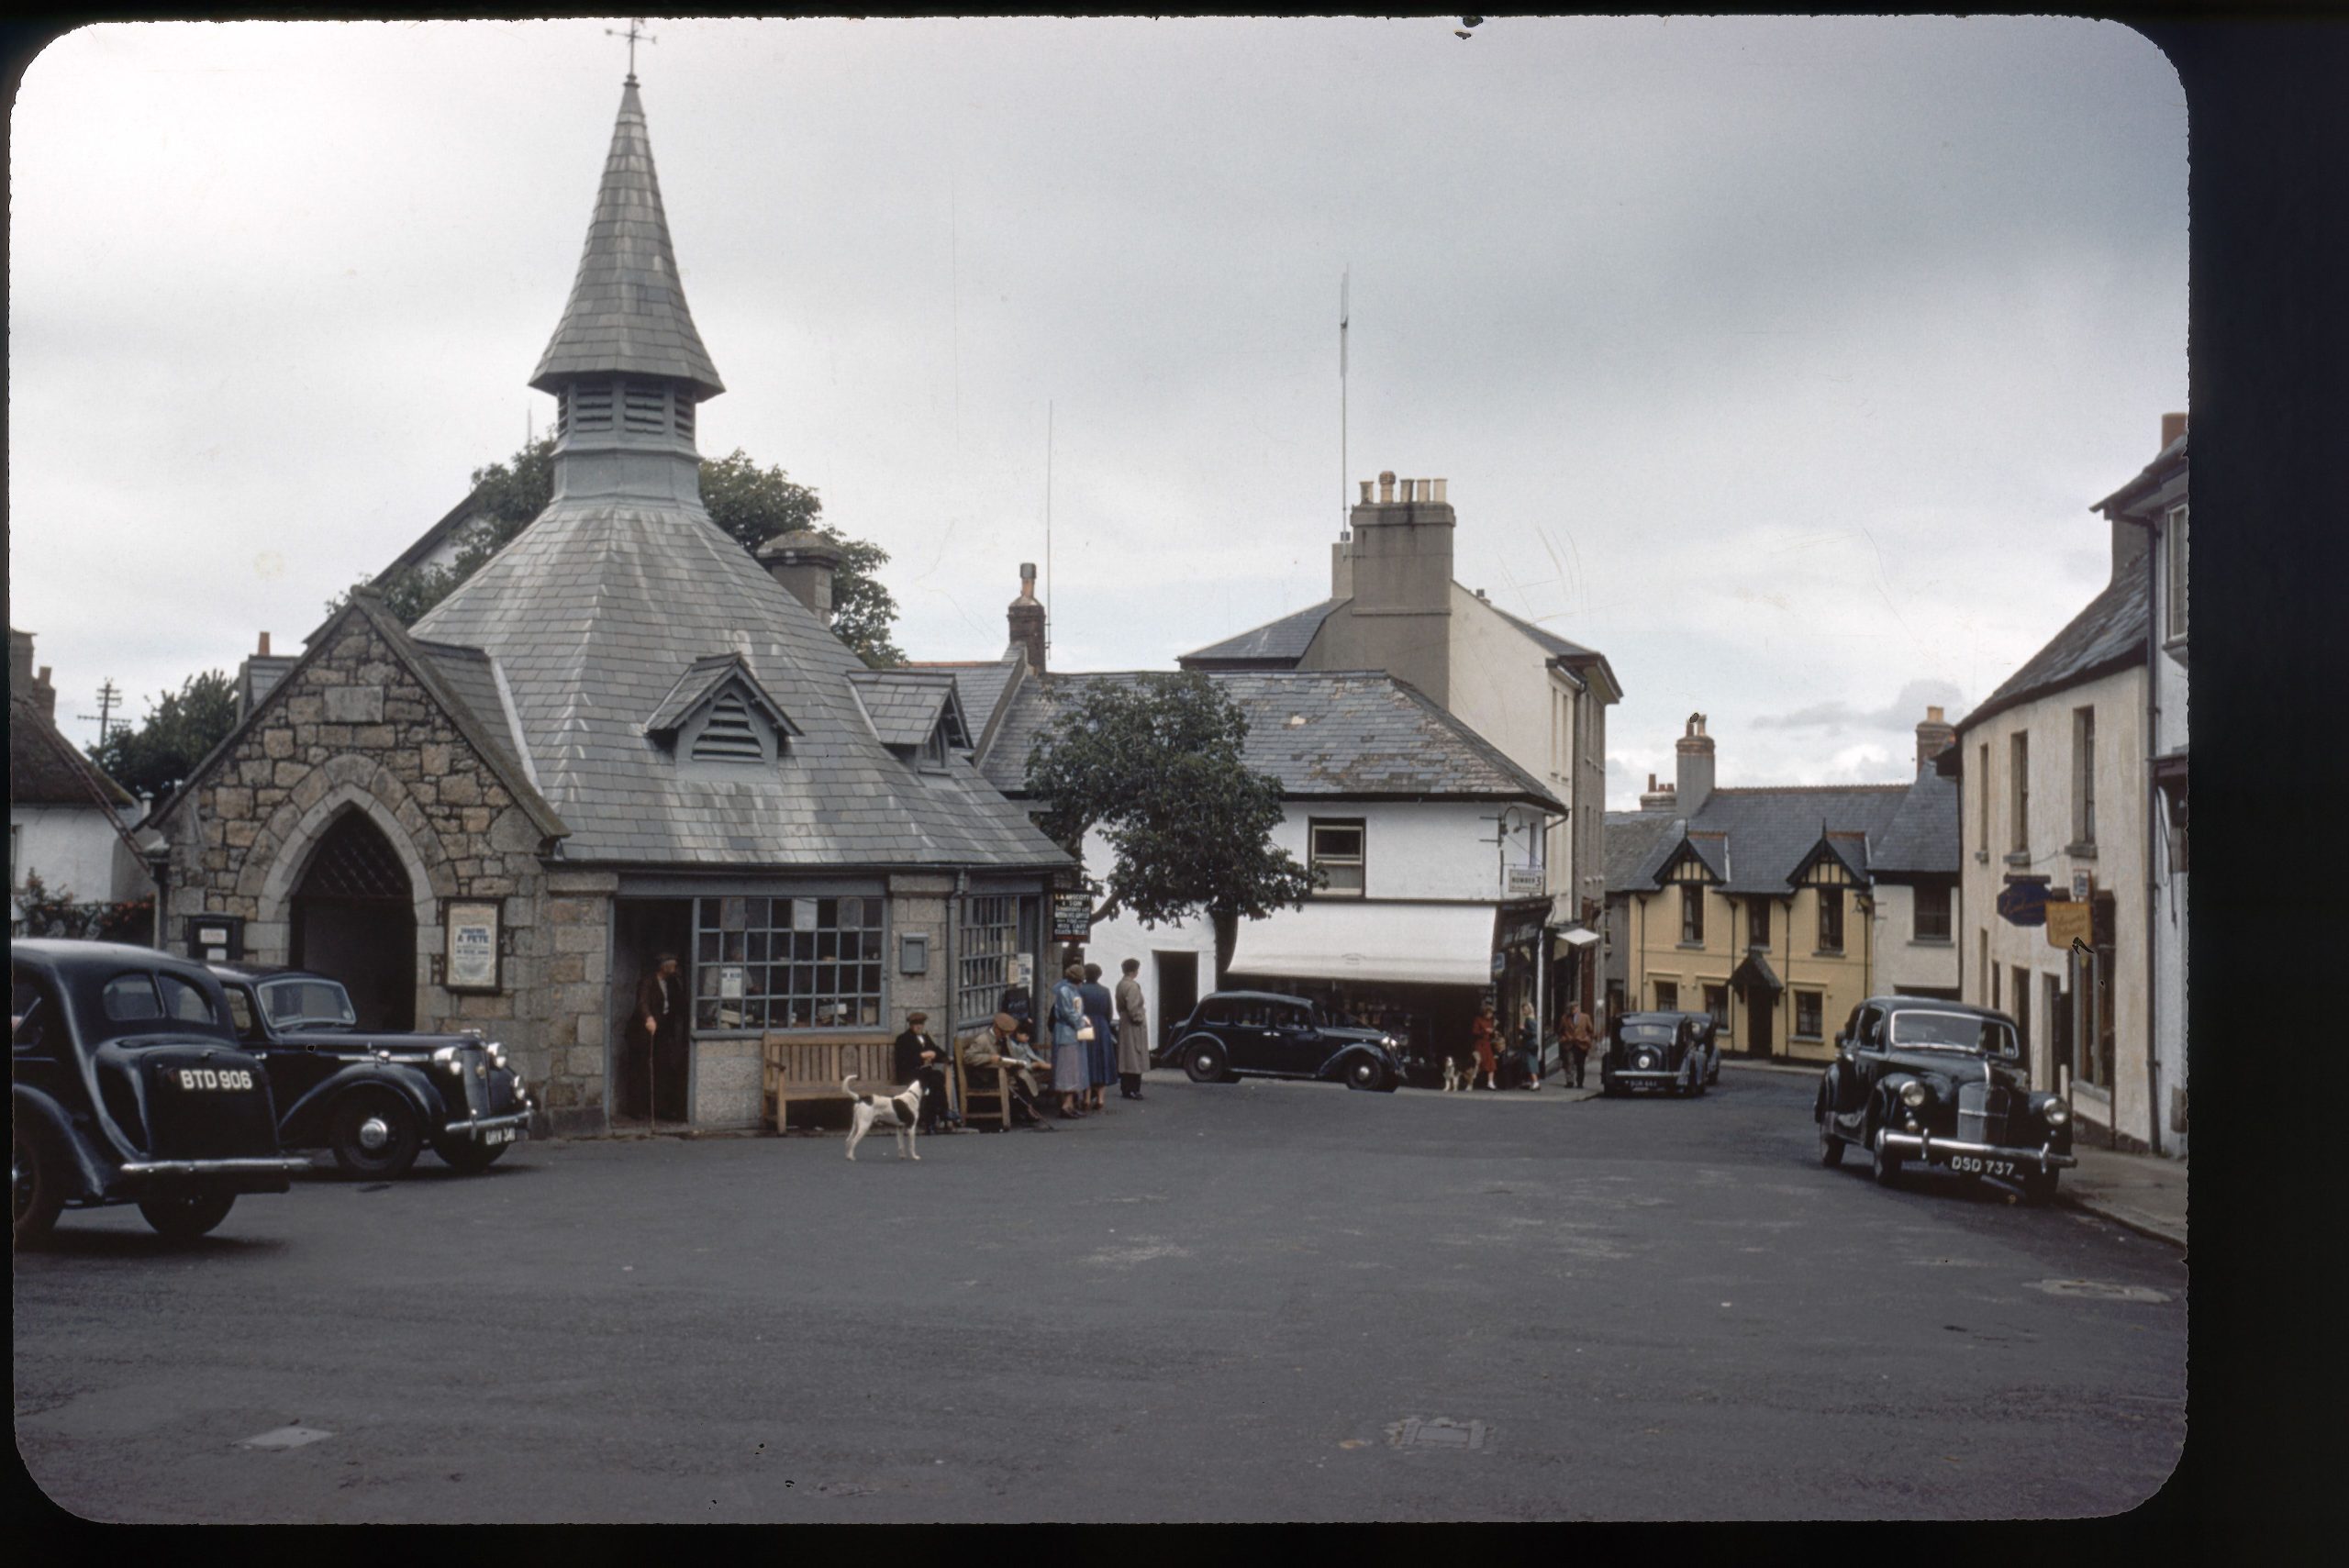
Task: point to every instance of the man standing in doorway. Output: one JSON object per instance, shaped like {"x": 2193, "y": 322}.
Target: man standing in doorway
{"x": 1579, "y": 1035}
{"x": 659, "y": 1027}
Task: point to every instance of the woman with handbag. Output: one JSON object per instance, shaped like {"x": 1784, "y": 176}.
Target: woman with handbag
{"x": 1071, "y": 1033}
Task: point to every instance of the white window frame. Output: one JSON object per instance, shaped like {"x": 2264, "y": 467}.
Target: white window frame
{"x": 1318, "y": 858}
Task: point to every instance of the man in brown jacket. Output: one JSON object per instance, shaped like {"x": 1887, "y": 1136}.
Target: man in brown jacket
{"x": 657, "y": 1036}
{"x": 1575, "y": 1033}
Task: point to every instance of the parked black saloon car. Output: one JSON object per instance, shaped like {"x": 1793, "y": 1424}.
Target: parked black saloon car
{"x": 1265, "y": 1034}
{"x": 127, "y": 1085}
{"x": 1655, "y": 1050}
{"x": 374, "y": 1100}
{"x": 1940, "y": 1083}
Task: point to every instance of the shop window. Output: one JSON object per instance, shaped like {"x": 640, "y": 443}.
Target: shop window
{"x": 1808, "y": 1009}
{"x": 1692, "y": 914}
{"x": 1931, "y": 907}
{"x": 1667, "y": 997}
{"x": 1830, "y": 919}
{"x": 787, "y": 963}
{"x": 987, "y": 948}
{"x": 1335, "y": 849}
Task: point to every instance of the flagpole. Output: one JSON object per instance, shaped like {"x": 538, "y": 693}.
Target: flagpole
{"x": 1344, "y": 279}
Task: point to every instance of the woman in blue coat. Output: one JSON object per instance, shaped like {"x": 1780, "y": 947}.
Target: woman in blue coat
{"x": 1101, "y": 1050}
{"x": 1068, "y": 1051}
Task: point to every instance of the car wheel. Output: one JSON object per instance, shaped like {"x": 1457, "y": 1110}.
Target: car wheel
{"x": 1885, "y": 1164}
{"x": 35, "y": 1186}
{"x": 1365, "y": 1075}
{"x": 471, "y": 1158}
{"x": 186, "y": 1218}
{"x": 373, "y": 1133}
{"x": 2039, "y": 1187}
{"x": 1204, "y": 1061}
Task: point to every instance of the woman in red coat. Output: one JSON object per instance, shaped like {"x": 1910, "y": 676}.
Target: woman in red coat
{"x": 1480, "y": 1035}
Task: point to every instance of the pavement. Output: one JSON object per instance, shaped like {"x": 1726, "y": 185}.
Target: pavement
{"x": 2144, "y": 1191}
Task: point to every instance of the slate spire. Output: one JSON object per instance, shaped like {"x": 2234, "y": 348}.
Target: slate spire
{"x": 627, "y": 313}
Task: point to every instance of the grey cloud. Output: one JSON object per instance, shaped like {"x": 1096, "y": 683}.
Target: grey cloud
{"x": 1905, "y": 712}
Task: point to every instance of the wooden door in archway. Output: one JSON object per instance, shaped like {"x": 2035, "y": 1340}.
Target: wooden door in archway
{"x": 354, "y": 921}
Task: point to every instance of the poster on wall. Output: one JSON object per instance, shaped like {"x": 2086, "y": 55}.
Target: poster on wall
{"x": 471, "y": 960}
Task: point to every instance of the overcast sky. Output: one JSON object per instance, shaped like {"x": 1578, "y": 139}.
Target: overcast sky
{"x": 1779, "y": 360}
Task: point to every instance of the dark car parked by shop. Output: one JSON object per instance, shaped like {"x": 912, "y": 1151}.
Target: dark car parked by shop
{"x": 1265, "y": 1034}
{"x": 1940, "y": 1083}
{"x": 127, "y": 1085}
{"x": 1653, "y": 1050}
{"x": 373, "y": 1100}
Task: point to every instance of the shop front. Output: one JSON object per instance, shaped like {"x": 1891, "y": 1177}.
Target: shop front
{"x": 1417, "y": 971}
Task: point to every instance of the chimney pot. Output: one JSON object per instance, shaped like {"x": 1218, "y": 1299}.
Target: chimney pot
{"x": 263, "y": 652}
{"x": 1439, "y": 484}
{"x": 1365, "y": 491}
{"x": 1386, "y": 485}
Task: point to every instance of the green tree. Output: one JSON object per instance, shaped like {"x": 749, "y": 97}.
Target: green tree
{"x": 181, "y": 730}
{"x": 1157, "y": 765}
{"x": 751, "y": 503}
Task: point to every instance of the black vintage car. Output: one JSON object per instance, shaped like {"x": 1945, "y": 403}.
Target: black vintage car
{"x": 374, "y": 1100}
{"x": 1940, "y": 1083}
{"x": 1266, "y": 1034}
{"x": 127, "y": 1085}
{"x": 1655, "y": 1050}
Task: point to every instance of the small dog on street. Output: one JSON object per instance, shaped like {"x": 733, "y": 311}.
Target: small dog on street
{"x": 899, "y": 1111}
{"x": 1452, "y": 1078}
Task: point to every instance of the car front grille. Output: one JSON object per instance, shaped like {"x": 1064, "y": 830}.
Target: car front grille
{"x": 1985, "y": 1113}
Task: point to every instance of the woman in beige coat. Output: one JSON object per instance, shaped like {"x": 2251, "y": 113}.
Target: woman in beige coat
{"x": 1133, "y": 1033}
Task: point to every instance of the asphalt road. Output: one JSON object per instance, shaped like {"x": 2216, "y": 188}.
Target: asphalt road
{"x": 1242, "y": 1302}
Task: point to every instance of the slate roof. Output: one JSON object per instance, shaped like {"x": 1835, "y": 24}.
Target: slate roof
{"x": 595, "y": 610}
{"x": 46, "y": 769}
{"x": 906, "y": 705}
{"x": 626, "y": 310}
{"x": 1766, "y": 833}
{"x": 471, "y": 679}
{"x": 1364, "y": 734}
{"x": 1631, "y": 838}
{"x": 2108, "y": 635}
{"x": 1922, "y": 835}
{"x": 1282, "y": 641}
{"x": 1556, "y": 646}
{"x": 2148, "y": 479}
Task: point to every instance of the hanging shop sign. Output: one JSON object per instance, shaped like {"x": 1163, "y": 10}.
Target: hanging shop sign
{"x": 1072, "y": 918}
{"x": 2024, "y": 902}
{"x": 2068, "y": 921}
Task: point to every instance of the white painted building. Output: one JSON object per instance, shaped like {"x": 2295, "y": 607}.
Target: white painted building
{"x": 66, "y": 819}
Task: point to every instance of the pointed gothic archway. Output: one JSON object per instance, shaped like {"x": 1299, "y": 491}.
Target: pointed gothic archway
{"x": 354, "y": 917}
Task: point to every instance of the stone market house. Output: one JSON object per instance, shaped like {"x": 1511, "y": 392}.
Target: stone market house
{"x": 1539, "y": 699}
{"x": 1777, "y": 910}
{"x": 623, "y": 734}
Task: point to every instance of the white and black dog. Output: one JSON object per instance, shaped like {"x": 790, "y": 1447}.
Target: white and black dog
{"x": 901, "y": 1111}
{"x": 1453, "y": 1079}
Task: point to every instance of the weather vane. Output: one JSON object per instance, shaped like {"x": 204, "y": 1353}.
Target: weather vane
{"x": 635, "y": 31}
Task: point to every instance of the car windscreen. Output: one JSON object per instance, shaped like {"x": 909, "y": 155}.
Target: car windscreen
{"x": 1952, "y": 1031}
{"x": 307, "y": 1003}
{"x": 1650, "y": 1034}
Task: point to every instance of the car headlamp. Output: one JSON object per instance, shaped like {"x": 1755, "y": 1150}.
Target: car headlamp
{"x": 1914, "y": 1093}
{"x": 2057, "y": 1113}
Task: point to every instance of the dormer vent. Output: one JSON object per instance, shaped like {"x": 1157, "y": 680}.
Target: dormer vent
{"x": 730, "y": 736}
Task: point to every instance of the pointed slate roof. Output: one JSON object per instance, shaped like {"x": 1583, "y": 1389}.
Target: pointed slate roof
{"x": 1765, "y": 833}
{"x": 1922, "y": 836}
{"x": 2108, "y": 635}
{"x": 628, "y": 310}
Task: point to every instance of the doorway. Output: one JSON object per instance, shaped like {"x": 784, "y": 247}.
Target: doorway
{"x": 1178, "y": 990}
{"x": 353, "y": 915}
{"x": 1761, "y": 1007}
{"x": 641, "y": 1088}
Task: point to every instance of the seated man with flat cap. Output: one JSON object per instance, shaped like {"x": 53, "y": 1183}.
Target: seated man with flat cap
{"x": 918, "y": 1058}
{"x": 1005, "y": 1045}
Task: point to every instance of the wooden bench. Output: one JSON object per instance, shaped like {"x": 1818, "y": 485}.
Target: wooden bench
{"x": 807, "y": 1064}
{"x": 991, "y": 1083}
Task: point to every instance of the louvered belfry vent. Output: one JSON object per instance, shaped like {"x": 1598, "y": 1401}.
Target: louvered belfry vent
{"x": 648, "y": 408}
{"x": 355, "y": 861}
{"x": 731, "y": 735}
{"x": 591, "y": 406}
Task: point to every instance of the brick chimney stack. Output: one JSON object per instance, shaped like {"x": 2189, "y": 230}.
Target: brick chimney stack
{"x": 22, "y": 680}
{"x": 1934, "y": 736}
{"x": 1398, "y": 569}
{"x": 1658, "y": 797}
{"x": 803, "y": 563}
{"x": 2173, "y": 427}
{"x": 1695, "y": 749}
{"x": 1027, "y": 618}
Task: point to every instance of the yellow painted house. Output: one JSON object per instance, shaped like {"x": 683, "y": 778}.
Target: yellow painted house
{"x": 1777, "y": 910}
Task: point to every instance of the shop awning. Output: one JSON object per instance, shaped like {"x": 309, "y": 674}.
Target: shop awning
{"x": 1422, "y": 944}
{"x": 1578, "y": 936}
